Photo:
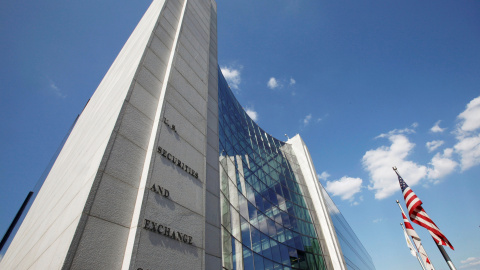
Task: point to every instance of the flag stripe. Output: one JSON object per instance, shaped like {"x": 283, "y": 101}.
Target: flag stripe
{"x": 419, "y": 216}
{"x": 417, "y": 242}
{"x": 423, "y": 254}
{"x": 409, "y": 228}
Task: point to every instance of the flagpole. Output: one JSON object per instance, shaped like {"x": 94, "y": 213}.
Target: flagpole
{"x": 416, "y": 252}
{"x": 401, "y": 209}
{"x": 440, "y": 247}
{"x": 445, "y": 256}
{"x": 419, "y": 244}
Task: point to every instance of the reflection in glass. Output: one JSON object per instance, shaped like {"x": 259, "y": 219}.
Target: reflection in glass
{"x": 266, "y": 223}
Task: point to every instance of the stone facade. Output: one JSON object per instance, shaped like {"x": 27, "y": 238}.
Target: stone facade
{"x": 112, "y": 200}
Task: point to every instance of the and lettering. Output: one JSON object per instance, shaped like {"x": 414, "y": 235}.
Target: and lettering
{"x": 160, "y": 190}
{"x": 168, "y": 232}
{"x": 177, "y": 162}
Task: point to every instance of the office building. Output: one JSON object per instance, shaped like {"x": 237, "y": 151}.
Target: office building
{"x": 164, "y": 170}
{"x": 275, "y": 213}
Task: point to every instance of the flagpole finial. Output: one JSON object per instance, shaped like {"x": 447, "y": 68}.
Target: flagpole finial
{"x": 394, "y": 168}
{"x": 397, "y": 201}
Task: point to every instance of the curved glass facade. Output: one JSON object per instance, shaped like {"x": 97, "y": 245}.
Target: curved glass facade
{"x": 266, "y": 221}
{"x": 355, "y": 255}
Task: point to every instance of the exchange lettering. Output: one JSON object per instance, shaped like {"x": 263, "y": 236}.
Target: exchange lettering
{"x": 168, "y": 232}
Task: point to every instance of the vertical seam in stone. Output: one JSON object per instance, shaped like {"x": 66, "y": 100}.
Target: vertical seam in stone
{"x": 150, "y": 152}
{"x": 204, "y": 188}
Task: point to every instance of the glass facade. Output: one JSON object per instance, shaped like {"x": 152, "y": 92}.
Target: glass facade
{"x": 266, "y": 219}
{"x": 355, "y": 255}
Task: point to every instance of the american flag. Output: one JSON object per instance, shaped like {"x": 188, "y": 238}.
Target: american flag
{"x": 419, "y": 216}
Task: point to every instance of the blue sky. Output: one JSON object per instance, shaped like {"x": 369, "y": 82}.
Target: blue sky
{"x": 367, "y": 84}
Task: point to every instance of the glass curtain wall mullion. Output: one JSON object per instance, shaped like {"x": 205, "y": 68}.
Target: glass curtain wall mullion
{"x": 264, "y": 218}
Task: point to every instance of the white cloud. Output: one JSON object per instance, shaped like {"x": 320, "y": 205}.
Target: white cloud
{"x": 377, "y": 220}
{"x": 56, "y": 90}
{"x": 379, "y": 162}
{"x": 442, "y": 164}
{"x": 398, "y": 131}
{"x": 307, "y": 119}
{"x": 232, "y": 76}
{"x": 470, "y": 259}
{"x": 470, "y": 262}
{"x": 431, "y": 146}
{"x": 468, "y": 136}
{"x": 273, "y": 83}
{"x": 436, "y": 128}
{"x": 323, "y": 176}
{"x": 469, "y": 150}
{"x": 252, "y": 113}
{"x": 346, "y": 187}
{"x": 471, "y": 116}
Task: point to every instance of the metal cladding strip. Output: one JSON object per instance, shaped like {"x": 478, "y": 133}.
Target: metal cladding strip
{"x": 338, "y": 262}
{"x": 327, "y": 228}
{"x": 150, "y": 151}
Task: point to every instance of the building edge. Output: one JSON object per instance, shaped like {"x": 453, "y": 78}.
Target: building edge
{"x": 320, "y": 208}
{"x": 82, "y": 154}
